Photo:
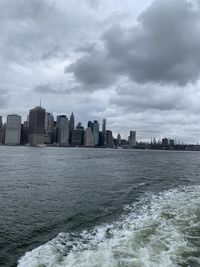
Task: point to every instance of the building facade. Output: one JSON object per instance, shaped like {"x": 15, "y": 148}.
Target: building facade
{"x": 36, "y": 126}
{"x": 1, "y": 122}
{"x": 109, "y": 138}
{"x": 13, "y": 130}
{"x": 132, "y": 138}
{"x": 77, "y": 138}
{"x": 88, "y": 137}
{"x": 62, "y": 130}
{"x": 49, "y": 126}
{"x": 96, "y": 133}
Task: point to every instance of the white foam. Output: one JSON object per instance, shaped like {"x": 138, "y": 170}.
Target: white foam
{"x": 154, "y": 232}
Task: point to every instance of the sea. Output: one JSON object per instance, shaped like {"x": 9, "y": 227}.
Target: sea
{"x": 92, "y": 207}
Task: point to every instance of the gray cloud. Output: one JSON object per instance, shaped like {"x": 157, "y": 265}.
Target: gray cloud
{"x": 93, "y": 3}
{"x": 161, "y": 48}
{"x": 56, "y": 88}
{"x": 86, "y": 48}
{"x": 34, "y": 30}
{"x": 93, "y": 70}
{"x": 4, "y": 97}
{"x": 134, "y": 97}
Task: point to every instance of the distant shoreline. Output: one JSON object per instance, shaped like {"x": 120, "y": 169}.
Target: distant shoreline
{"x": 177, "y": 147}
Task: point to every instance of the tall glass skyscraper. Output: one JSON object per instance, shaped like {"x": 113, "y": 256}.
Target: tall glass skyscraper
{"x": 36, "y": 126}
{"x": 96, "y": 132}
{"x": 62, "y": 130}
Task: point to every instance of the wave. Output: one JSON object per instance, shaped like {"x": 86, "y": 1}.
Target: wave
{"x": 159, "y": 230}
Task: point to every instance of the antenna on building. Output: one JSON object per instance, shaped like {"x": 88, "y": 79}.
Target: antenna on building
{"x": 40, "y": 102}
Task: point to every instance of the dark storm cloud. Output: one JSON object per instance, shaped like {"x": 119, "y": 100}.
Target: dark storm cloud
{"x": 93, "y": 70}
{"x": 163, "y": 47}
{"x": 137, "y": 98}
{"x": 148, "y": 97}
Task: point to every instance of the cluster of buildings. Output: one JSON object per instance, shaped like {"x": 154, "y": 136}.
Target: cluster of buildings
{"x": 41, "y": 129}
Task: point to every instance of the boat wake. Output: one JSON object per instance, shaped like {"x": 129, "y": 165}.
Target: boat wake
{"x": 159, "y": 230}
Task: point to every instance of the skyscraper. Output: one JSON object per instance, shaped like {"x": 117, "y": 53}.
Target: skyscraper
{"x": 62, "y": 130}
{"x": 119, "y": 140}
{"x": 71, "y": 127}
{"x": 104, "y": 126}
{"x": 36, "y": 126}
{"x": 104, "y": 132}
{"x": 2, "y": 134}
{"x": 109, "y": 138}
{"x": 132, "y": 138}
{"x": 49, "y": 125}
{"x": 77, "y": 137}
{"x": 13, "y": 130}
{"x": 96, "y": 133}
{"x": 71, "y": 122}
{"x": 1, "y": 123}
{"x": 90, "y": 124}
{"x": 24, "y": 133}
{"x": 88, "y": 137}
{"x": 80, "y": 126}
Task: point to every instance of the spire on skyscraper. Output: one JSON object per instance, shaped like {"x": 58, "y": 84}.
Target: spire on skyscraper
{"x": 71, "y": 122}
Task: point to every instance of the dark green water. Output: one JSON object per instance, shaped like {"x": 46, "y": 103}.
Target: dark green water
{"x": 99, "y": 207}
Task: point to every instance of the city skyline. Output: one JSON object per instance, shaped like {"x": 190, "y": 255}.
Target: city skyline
{"x": 103, "y": 121}
{"x": 149, "y": 77}
{"x": 39, "y": 122}
{"x": 41, "y": 128}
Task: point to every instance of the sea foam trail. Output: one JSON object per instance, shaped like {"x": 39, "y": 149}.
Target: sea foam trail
{"x": 160, "y": 230}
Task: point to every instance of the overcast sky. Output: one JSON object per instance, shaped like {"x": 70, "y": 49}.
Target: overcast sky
{"x": 134, "y": 62}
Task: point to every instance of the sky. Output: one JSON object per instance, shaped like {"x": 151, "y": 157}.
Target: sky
{"x": 134, "y": 62}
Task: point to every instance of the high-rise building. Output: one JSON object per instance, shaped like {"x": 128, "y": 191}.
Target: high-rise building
{"x": 101, "y": 139}
{"x": 90, "y": 124}
{"x": 132, "y": 138}
{"x": 165, "y": 142}
{"x": 77, "y": 137}
{"x": 96, "y": 133}
{"x": 1, "y": 123}
{"x": 2, "y": 134}
{"x": 80, "y": 126}
{"x": 103, "y": 136}
{"x": 88, "y": 137}
{"x": 24, "y": 133}
{"x": 119, "y": 140}
{"x": 71, "y": 127}
{"x": 171, "y": 142}
{"x": 49, "y": 125}
{"x": 62, "y": 130}
{"x": 37, "y": 126}
{"x": 104, "y": 126}
{"x": 109, "y": 138}
{"x": 13, "y": 130}
{"x": 71, "y": 122}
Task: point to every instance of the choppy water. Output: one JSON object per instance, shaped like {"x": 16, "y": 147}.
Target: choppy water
{"x": 99, "y": 207}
